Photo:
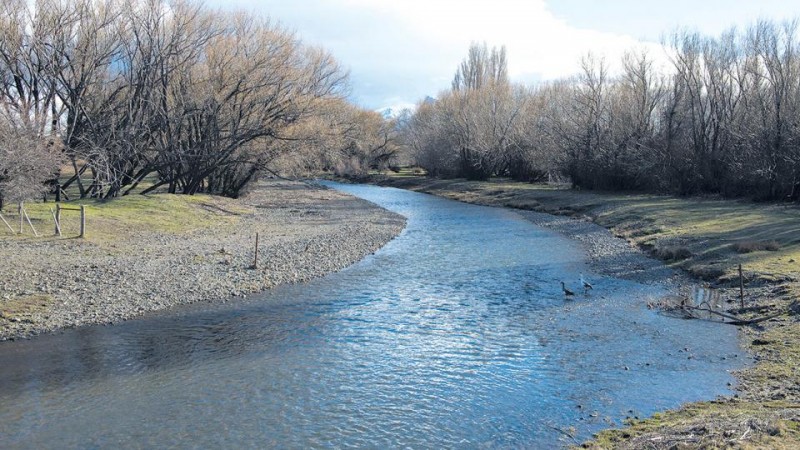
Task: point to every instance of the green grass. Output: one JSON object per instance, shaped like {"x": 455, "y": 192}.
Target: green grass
{"x": 129, "y": 215}
{"x": 708, "y": 425}
{"x": 123, "y": 216}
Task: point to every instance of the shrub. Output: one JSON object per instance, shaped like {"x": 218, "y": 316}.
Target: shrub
{"x": 707, "y": 273}
{"x": 673, "y": 253}
{"x": 754, "y": 246}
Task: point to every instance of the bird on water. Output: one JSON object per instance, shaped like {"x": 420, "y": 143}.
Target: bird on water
{"x": 586, "y": 285}
{"x": 567, "y": 292}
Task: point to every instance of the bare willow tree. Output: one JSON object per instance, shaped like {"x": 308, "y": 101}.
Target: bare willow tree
{"x": 477, "y": 124}
{"x": 339, "y": 137}
{"x": 29, "y": 110}
{"x": 189, "y": 99}
{"x": 586, "y": 126}
{"x": 481, "y": 68}
{"x": 539, "y": 155}
{"x": 27, "y": 161}
{"x": 722, "y": 119}
{"x": 366, "y": 141}
{"x": 26, "y": 89}
{"x": 429, "y": 137}
{"x": 85, "y": 42}
{"x": 774, "y": 107}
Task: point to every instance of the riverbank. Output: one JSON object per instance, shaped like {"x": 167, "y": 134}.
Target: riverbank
{"x": 148, "y": 253}
{"x": 703, "y": 238}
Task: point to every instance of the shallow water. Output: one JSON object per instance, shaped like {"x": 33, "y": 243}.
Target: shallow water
{"x": 456, "y": 334}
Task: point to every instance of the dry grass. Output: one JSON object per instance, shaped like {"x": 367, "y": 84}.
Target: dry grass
{"x": 708, "y": 425}
{"x": 673, "y": 253}
{"x": 120, "y": 219}
{"x": 109, "y": 220}
{"x": 129, "y": 215}
{"x": 20, "y": 309}
{"x": 756, "y": 246}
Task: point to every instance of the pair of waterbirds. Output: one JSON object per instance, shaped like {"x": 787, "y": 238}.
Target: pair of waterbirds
{"x": 586, "y": 287}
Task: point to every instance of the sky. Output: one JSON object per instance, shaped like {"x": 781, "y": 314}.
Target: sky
{"x": 400, "y": 51}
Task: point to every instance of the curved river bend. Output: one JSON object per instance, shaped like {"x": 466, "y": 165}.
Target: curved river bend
{"x": 456, "y": 334}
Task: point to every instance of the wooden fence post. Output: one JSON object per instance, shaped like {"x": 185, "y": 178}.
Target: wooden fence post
{"x": 21, "y": 217}
{"x": 83, "y": 221}
{"x": 255, "y": 258}
{"x": 57, "y": 218}
{"x": 28, "y": 218}
{"x": 7, "y": 224}
{"x": 741, "y": 287}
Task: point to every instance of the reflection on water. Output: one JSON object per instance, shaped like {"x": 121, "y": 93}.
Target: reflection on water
{"x": 456, "y": 334}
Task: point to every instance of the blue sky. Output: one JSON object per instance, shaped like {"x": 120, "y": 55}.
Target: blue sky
{"x": 399, "y": 51}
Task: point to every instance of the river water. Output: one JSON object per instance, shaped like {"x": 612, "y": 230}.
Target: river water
{"x": 456, "y": 334}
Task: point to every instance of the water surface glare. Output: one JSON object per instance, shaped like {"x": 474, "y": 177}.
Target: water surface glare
{"x": 456, "y": 334}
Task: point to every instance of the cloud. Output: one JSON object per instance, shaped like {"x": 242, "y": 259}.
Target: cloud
{"x": 438, "y": 34}
{"x": 401, "y": 51}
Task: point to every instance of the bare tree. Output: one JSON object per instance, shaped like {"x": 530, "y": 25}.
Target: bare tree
{"x": 26, "y": 162}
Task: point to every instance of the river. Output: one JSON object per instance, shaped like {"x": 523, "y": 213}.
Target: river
{"x": 455, "y": 334}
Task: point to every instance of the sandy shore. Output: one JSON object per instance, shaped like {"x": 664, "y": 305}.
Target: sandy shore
{"x": 305, "y": 232}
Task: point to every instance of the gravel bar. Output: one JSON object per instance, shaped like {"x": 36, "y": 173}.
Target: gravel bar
{"x": 306, "y": 231}
{"x": 609, "y": 255}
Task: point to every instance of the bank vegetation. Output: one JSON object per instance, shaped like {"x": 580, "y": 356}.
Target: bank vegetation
{"x": 99, "y": 97}
{"x": 720, "y": 118}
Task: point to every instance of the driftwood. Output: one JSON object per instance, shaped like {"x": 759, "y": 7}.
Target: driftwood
{"x": 564, "y": 432}
{"x": 732, "y": 319}
{"x": 685, "y": 308}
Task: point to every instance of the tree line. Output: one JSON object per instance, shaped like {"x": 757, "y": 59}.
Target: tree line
{"x": 722, "y": 118}
{"x": 169, "y": 92}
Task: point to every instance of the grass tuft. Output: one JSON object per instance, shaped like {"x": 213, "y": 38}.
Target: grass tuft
{"x": 24, "y": 308}
{"x": 755, "y": 246}
{"x": 673, "y": 253}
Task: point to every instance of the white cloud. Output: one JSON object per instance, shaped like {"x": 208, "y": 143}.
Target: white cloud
{"x": 540, "y": 46}
{"x": 401, "y": 51}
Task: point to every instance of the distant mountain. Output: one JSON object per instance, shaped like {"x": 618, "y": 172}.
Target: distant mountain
{"x": 402, "y": 110}
{"x": 395, "y": 113}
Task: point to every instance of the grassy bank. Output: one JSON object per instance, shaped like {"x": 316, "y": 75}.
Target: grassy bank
{"x": 112, "y": 228}
{"x": 708, "y": 238}
{"x": 110, "y": 220}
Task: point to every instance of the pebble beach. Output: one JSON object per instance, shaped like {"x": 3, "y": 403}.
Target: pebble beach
{"x": 305, "y": 231}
